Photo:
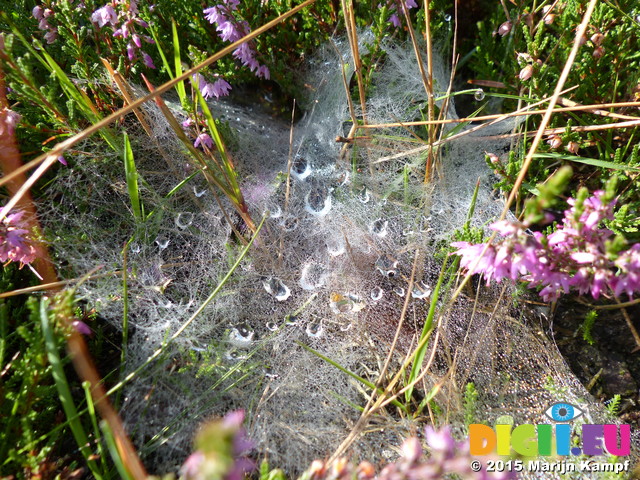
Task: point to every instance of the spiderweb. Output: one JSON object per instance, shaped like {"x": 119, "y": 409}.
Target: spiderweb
{"x": 329, "y": 269}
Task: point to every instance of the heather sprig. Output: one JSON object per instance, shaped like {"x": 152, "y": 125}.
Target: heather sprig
{"x": 230, "y": 28}
{"x": 580, "y": 255}
{"x": 16, "y": 242}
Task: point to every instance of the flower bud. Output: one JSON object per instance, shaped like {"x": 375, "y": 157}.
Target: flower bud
{"x": 504, "y": 28}
{"x": 573, "y": 147}
{"x": 526, "y": 73}
{"x": 555, "y": 142}
{"x": 493, "y": 158}
{"x": 598, "y": 52}
{"x": 597, "y": 39}
{"x": 549, "y": 18}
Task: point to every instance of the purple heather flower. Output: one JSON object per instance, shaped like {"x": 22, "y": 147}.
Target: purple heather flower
{"x": 104, "y": 15}
{"x": 213, "y": 15}
{"x": 229, "y": 31}
{"x": 263, "y": 72}
{"x": 62, "y": 160}
{"x": 203, "y": 139}
{"x": 146, "y": 59}
{"x": 38, "y": 12}
{"x": 219, "y": 88}
{"x": 51, "y": 35}
{"x": 131, "y": 51}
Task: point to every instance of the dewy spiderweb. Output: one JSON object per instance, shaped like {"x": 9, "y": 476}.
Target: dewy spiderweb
{"x": 329, "y": 270}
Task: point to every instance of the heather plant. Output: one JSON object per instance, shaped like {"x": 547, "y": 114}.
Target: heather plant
{"x": 581, "y": 254}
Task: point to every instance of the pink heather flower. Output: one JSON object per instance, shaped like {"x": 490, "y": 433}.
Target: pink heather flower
{"x": 263, "y": 72}
{"x": 8, "y": 121}
{"x": 229, "y": 31}
{"x": 131, "y": 52}
{"x": 38, "y": 12}
{"x": 245, "y": 54}
{"x": 203, "y": 139}
{"x": 136, "y": 39}
{"x": 146, "y": 59}
{"x": 504, "y": 28}
{"x": 43, "y": 24}
{"x": 220, "y": 88}
{"x": 213, "y": 15}
{"x": 105, "y": 15}
{"x": 411, "y": 4}
{"x": 526, "y": 73}
{"x": 51, "y": 35}
{"x": 62, "y": 160}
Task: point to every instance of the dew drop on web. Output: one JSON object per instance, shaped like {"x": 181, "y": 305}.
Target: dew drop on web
{"x": 479, "y": 95}
{"x": 314, "y": 329}
{"x": 184, "y": 219}
{"x": 162, "y": 241}
{"x": 376, "y": 294}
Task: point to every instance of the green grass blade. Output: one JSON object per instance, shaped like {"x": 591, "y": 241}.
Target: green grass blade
{"x": 182, "y": 94}
{"x": 594, "y": 162}
{"x": 427, "y": 329}
{"x": 165, "y": 61}
{"x": 86, "y": 386}
{"x": 113, "y": 450}
{"x": 131, "y": 173}
{"x": 64, "y": 392}
{"x": 360, "y": 379}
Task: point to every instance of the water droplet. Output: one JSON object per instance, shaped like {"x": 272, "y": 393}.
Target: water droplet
{"x": 233, "y": 355}
{"x": 318, "y": 201}
{"x": 345, "y": 303}
{"x": 292, "y": 319}
{"x": 314, "y": 329}
{"x": 197, "y": 192}
{"x": 241, "y": 336}
{"x": 313, "y": 276}
{"x": 276, "y": 288}
{"x": 162, "y": 241}
{"x": 184, "y": 219}
{"x": 399, "y": 291}
{"x": 387, "y": 266}
{"x": 134, "y": 247}
{"x": 379, "y": 227}
{"x": 300, "y": 168}
{"x": 363, "y": 195}
{"x": 479, "y": 95}
{"x": 273, "y": 326}
{"x": 422, "y": 290}
{"x": 447, "y": 17}
{"x": 376, "y": 294}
